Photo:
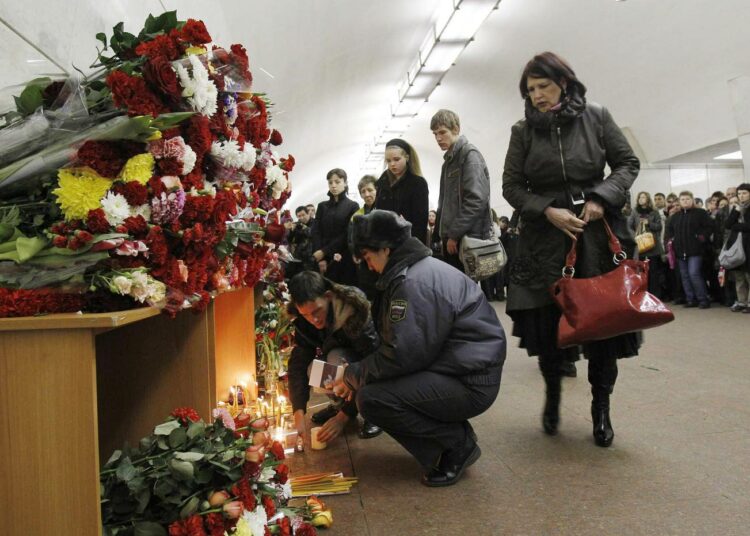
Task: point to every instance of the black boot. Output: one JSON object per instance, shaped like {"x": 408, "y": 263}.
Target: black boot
{"x": 551, "y": 414}
{"x": 603, "y": 433}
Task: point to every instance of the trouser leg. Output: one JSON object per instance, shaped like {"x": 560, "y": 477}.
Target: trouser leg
{"x": 742, "y": 286}
{"x": 426, "y": 412}
{"x": 695, "y": 268}
{"x": 687, "y": 285}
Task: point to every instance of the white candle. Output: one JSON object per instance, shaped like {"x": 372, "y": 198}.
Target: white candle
{"x": 315, "y": 443}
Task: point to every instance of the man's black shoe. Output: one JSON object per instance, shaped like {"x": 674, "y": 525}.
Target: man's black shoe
{"x": 369, "y": 430}
{"x": 452, "y": 465}
{"x": 704, "y": 305}
{"x": 690, "y": 304}
{"x": 568, "y": 369}
{"x": 324, "y": 415}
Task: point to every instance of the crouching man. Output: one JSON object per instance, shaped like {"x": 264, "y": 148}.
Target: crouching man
{"x": 333, "y": 324}
{"x": 441, "y": 351}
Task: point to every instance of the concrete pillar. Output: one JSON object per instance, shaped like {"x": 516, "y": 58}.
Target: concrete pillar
{"x": 740, "y": 90}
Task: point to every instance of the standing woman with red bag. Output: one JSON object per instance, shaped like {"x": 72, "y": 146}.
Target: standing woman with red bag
{"x": 554, "y": 176}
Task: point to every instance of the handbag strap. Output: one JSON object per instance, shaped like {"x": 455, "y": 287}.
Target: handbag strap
{"x": 618, "y": 255}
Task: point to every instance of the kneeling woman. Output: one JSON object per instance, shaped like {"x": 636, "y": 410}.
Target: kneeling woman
{"x": 441, "y": 353}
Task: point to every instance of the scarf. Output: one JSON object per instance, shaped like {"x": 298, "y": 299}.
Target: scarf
{"x": 570, "y": 107}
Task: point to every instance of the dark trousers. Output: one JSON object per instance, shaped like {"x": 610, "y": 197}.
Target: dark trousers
{"x": 657, "y": 275}
{"x": 426, "y": 412}
{"x": 453, "y": 260}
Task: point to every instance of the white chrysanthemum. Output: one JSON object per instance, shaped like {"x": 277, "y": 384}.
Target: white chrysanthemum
{"x": 286, "y": 491}
{"x": 115, "y": 207}
{"x": 188, "y": 160}
{"x": 122, "y": 284}
{"x": 141, "y": 210}
{"x": 199, "y": 89}
{"x": 256, "y": 521}
{"x": 273, "y": 174}
{"x": 267, "y": 474}
{"x": 140, "y": 288}
{"x": 157, "y": 291}
{"x": 249, "y": 157}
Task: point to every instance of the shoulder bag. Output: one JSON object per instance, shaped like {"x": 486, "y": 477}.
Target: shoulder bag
{"x": 606, "y": 305}
{"x": 645, "y": 240}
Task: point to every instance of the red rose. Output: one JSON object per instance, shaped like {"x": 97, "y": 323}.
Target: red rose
{"x": 84, "y": 236}
{"x": 194, "y": 32}
{"x": 269, "y": 506}
{"x": 185, "y": 415}
{"x": 277, "y": 449}
{"x": 159, "y": 73}
{"x": 275, "y": 138}
{"x": 75, "y": 244}
{"x": 60, "y": 241}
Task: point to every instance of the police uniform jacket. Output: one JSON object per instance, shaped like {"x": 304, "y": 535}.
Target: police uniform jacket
{"x": 431, "y": 317}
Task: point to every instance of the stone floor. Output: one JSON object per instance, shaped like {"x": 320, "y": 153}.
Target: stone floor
{"x": 679, "y": 465}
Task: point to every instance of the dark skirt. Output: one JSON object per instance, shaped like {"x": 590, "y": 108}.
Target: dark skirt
{"x": 537, "y": 330}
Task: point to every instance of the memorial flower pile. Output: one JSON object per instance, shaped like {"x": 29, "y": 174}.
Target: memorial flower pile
{"x": 153, "y": 180}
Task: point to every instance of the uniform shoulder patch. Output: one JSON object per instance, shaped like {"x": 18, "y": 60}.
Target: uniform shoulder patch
{"x": 398, "y": 310}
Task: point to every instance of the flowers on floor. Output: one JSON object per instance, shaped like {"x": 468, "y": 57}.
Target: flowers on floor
{"x": 155, "y": 178}
{"x": 274, "y": 333}
{"x": 190, "y": 478}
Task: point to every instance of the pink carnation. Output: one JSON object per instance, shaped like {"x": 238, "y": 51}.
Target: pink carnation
{"x": 225, "y": 417}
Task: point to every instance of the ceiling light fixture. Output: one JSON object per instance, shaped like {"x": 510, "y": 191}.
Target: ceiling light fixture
{"x": 454, "y": 28}
{"x": 736, "y": 155}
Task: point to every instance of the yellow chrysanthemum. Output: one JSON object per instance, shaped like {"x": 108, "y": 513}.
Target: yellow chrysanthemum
{"x": 79, "y": 191}
{"x": 195, "y": 51}
{"x": 138, "y": 168}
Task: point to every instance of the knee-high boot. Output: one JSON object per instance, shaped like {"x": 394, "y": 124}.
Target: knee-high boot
{"x": 602, "y": 377}
{"x": 550, "y": 366}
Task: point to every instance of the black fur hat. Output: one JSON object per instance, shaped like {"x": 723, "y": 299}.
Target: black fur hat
{"x": 379, "y": 229}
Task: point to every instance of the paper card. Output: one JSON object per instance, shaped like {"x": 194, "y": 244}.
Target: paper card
{"x": 323, "y": 375}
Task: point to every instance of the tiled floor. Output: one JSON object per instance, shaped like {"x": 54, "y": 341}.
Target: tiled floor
{"x": 679, "y": 465}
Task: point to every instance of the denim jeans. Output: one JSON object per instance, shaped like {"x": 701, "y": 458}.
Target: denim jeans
{"x": 693, "y": 282}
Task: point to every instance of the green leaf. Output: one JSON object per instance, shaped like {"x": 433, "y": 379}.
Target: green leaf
{"x": 196, "y": 429}
{"x": 189, "y": 456}
{"x": 170, "y": 120}
{"x": 143, "y": 497}
{"x": 146, "y": 443}
{"x": 166, "y": 428}
{"x": 181, "y": 470}
{"x": 149, "y": 528}
{"x": 101, "y": 36}
{"x": 162, "y": 442}
{"x": 115, "y": 456}
{"x": 126, "y": 470}
{"x": 32, "y": 96}
{"x": 164, "y": 488}
{"x": 190, "y": 508}
{"x": 177, "y": 438}
{"x": 204, "y": 475}
{"x": 28, "y": 247}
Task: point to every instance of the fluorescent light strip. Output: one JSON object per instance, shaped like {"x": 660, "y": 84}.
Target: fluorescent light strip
{"x": 737, "y": 155}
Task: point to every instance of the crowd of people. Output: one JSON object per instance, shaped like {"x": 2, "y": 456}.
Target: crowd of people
{"x": 381, "y": 289}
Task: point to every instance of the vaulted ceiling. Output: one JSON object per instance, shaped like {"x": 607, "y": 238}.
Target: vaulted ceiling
{"x": 332, "y": 67}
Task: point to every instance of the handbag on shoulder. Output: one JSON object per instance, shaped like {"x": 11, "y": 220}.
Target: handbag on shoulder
{"x": 645, "y": 240}
{"x": 606, "y": 305}
{"x": 732, "y": 256}
{"x": 482, "y": 258}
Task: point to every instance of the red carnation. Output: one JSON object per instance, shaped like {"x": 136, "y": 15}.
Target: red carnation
{"x": 185, "y": 415}
{"x": 269, "y": 505}
{"x": 239, "y": 57}
{"x": 277, "y": 449}
{"x": 132, "y": 93}
{"x": 197, "y": 208}
{"x": 134, "y": 192}
{"x": 285, "y": 527}
{"x": 104, "y": 157}
{"x": 159, "y": 73}
{"x": 194, "y": 179}
{"x": 197, "y": 134}
{"x": 96, "y": 221}
{"x": 137, "y": 226}
{"x": 244, "y": 491}
{"x": 202, "y": 304}
{"x": 194, "y": 526}
{"x": 161, "y": 46}
{"x": 195, "y": 32}
{"x": 177, "y": 529}
{"x": 60, "y": 241}
{"x": 305, "y": 529}
{"x": 215, "y": 524}
{"x": 170, "y": 166}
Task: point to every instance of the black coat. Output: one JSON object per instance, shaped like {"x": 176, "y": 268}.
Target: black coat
{"x": 409, "y": 197}
{"x": 329, "y": 234}
{"x": 734, "y": 226}
{"x": 691, "y": 230}
{"x": 533, "y": 180}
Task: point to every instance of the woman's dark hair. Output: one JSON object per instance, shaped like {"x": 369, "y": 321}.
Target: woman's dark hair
{"x": 308, "y": 286}
{"x": 550, "y": 65}
{"x": 649, "y": 203}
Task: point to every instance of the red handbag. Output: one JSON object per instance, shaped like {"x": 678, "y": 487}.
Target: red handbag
{"x": 606, "y": 305}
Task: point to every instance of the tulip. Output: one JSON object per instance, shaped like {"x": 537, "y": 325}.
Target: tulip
{"x": 217, "y": 498}
{"x": 233, "y": 509}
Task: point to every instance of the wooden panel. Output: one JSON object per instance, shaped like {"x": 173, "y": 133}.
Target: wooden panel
{"x": 78, "y": 321}
{"x": 145, "y": 370}
{"x": 234, "y": 340}
{"x": 49, "y": 469}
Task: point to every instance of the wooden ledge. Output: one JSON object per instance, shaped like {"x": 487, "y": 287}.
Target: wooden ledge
{"x": 103, "y": 321}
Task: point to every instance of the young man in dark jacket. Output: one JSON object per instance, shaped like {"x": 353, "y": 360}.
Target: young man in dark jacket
{"x": 333, "y": 324}
{"x": 691, "y": 228}
{"x": 441, "y": 354}
{"x": 464, "y": 202}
